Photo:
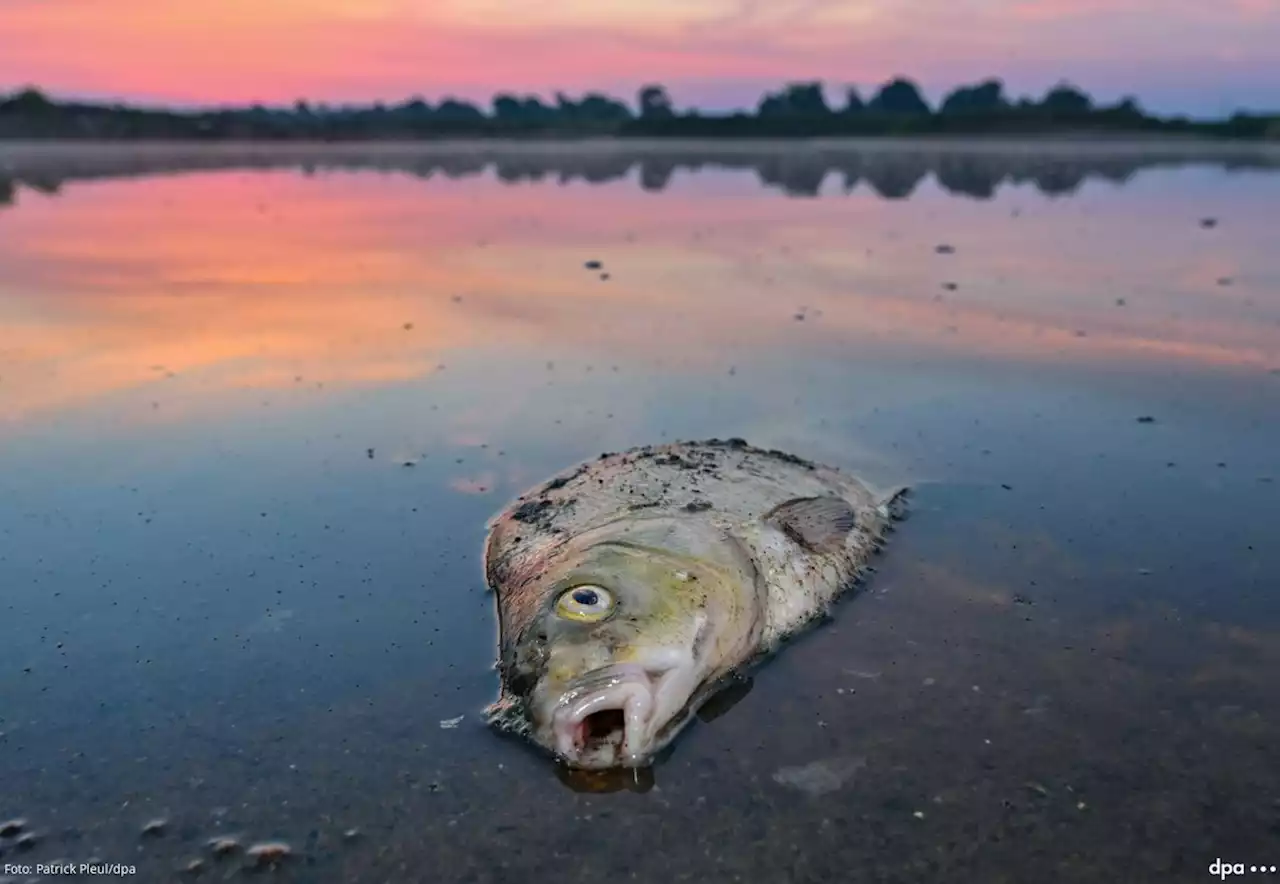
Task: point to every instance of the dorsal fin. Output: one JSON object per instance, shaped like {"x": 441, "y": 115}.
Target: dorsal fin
{"x": 819, "y": 524}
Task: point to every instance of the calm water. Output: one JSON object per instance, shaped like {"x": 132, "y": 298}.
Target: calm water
{"x": 253, "y": 419}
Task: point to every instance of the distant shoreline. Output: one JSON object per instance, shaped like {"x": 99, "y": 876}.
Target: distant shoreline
{"x": 1154, "y": 146}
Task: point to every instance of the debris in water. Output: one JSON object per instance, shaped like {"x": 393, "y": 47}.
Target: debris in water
{"x": 1120, "y": 302}
{"x": 820, "y": 777}
{"x": 861, "y": 673}
{"x": 1224, "y": 280}
{"x": 1146, "y": 419}
{"x": 950, "y": 286}
{"x": 9, "y": 828}
{"x": 27, "y": 840}
{"x": 593, "y": 265}
{"x": 194, "y": 867}
{"x": 604, "y": 276}
{"x": 369, "y": 452}
{"x": 1037, "y": 789}
{"x": 408, "y": 326}
{"x": 155, "y": 827}
{"x": 451, "y": 723}
{"x": 224, "y": 846}
{"x": 269, "y": 853}
{"x": 351, "y": 834}
{"x": 945, "y": 249}
{"x": 1208, "y": 223}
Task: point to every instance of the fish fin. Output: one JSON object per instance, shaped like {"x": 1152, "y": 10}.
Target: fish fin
{"x": 819, "y": 524}
{"x": 894, "y": 505}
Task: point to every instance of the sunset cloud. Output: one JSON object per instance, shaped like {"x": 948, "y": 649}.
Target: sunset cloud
{"x": 712, "y": 52}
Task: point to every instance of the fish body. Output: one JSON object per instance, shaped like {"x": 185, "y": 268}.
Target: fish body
{"x": 631, "y": 588}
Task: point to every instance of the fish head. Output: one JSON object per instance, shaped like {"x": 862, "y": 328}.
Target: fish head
{"x": 614, "y": 641}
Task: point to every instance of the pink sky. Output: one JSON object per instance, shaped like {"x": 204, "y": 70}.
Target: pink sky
{"x": 1201, "y": 56}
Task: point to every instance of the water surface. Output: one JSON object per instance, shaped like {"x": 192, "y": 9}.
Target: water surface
{"x": 256, "y": 405}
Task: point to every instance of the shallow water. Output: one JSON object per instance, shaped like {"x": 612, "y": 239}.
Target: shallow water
{"x": 253, "y": 419}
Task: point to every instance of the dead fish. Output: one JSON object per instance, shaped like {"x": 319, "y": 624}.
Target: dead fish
{"x": 630, "y": 589}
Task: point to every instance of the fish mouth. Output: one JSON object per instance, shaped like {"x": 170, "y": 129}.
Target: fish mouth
{"x": 602, "y": 719}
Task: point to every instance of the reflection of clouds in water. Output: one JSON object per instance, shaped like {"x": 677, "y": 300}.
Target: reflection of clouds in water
{"x": 253, "y": 280}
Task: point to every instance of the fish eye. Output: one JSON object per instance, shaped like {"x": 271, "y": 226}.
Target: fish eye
{"x": 585, "y": 604}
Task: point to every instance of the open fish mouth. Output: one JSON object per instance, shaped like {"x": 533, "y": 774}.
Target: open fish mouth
{"x": 603, "y": 719}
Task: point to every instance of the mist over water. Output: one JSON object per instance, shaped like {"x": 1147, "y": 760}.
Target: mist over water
{"x": 256, "y": 405}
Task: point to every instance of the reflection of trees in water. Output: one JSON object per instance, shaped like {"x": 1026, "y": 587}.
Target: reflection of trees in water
{"x": 978, "y": 174}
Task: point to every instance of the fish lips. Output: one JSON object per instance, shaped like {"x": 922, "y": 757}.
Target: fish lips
{"x": 630, "y": 691}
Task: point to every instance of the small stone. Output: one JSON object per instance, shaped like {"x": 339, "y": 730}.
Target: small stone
{"x": 269, "y": 853}
{"x": 224, "y": 846}
{"x": 155, "y": 827}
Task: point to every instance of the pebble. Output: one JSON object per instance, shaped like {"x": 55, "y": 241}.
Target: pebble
{"x": 268, "y": 853}
{"x": 155, "y": 827}
{"x": 224, "y": 846}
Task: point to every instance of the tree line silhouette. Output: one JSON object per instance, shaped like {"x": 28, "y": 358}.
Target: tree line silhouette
{"x": 797, "y": 110}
